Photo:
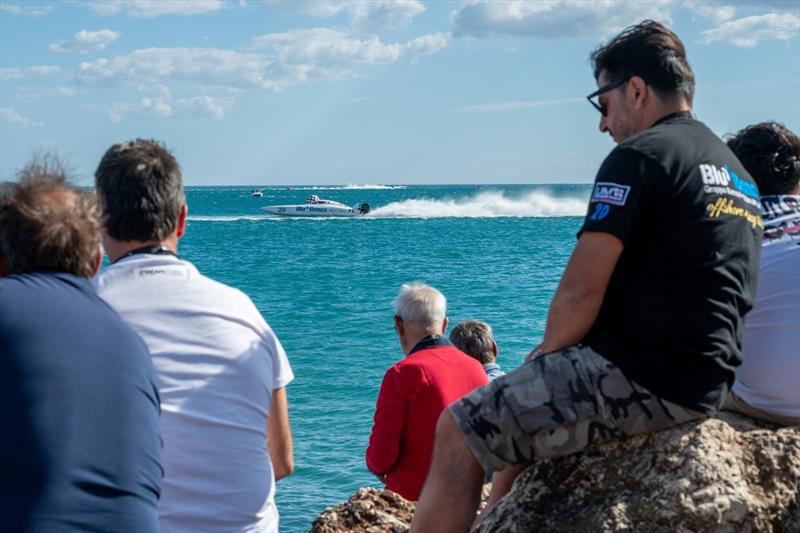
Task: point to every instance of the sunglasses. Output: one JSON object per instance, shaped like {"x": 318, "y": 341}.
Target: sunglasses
{"x": 602, "y": 90}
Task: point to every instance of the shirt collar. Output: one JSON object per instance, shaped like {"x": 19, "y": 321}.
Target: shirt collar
{"x": 150, "y": 249}
{"x": 677, "y": 114}
{"x": 431, "y": 341}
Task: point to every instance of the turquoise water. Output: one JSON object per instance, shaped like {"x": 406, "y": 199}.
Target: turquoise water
{"x": 326, "y": 287}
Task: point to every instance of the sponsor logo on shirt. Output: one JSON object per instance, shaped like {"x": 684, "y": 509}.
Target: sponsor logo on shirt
{"x": 176, "y": 271}
{"x": 722, "y": 180}
{"x": 610, "y": 193}
{"x": 725, "y": 206}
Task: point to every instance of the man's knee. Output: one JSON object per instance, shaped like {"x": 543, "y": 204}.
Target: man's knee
{"x": 446, "y": 426}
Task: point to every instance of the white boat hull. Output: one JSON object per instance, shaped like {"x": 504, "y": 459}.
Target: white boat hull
{"x": 311, "y": 210}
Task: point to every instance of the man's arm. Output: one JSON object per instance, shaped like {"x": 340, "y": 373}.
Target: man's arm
{"x": 390, "y": 412}
{"x": 580, "y": 293}
{"x": 279, "y": 435}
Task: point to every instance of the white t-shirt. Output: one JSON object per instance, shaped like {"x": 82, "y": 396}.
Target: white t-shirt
{"x": 769, "y": 378}
{"x": 217, "y": 362}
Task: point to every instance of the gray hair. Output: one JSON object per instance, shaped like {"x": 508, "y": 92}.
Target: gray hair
{"x": 475, "y": 339}
{"x": 421, "y": 304}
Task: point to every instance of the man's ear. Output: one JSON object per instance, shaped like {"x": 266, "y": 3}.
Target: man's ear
{"x": 399, "y": 326}
{"x": 97, "y": 260}
{"x": 444, "y": 325}
{"x": 494, "y": 348}
{"x": 182, "y": 220}
{"x": 638, "y": 91}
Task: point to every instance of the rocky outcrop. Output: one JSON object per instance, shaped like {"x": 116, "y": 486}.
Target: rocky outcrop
{"x": 371, "y": 511}
{"x": 725, "y": 474}
{"x": 367, "y": 511}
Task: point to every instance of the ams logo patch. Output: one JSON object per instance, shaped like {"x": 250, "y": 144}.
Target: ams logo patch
{"x": 610, "y": 193}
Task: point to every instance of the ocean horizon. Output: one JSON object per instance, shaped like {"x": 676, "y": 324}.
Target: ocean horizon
{"x": 326, "y": 286}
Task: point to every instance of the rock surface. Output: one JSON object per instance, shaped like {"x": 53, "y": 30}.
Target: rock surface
{"x": 367, "y": 511}
{"x": 728, "y": 473}
{"x": 724, "y": 474}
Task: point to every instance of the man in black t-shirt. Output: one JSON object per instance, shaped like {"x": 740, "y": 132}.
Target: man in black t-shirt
{"x": 644, "y": 330}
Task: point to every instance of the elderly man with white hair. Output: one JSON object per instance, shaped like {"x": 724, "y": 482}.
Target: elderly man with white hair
{"x": 416, "y": 389}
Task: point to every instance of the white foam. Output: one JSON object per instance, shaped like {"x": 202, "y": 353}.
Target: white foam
{"x": 349, "y": 186}
{"x": 228, "y": 218}
{"x": 488, "y": 204}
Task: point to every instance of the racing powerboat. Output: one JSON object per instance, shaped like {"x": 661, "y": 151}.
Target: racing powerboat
{"x": 318, "y": 207}
{"x": 256, "y": 193}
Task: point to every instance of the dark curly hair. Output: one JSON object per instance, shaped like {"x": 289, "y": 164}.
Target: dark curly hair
{"x": 652, "y": 52}
{"x": 771, "y": 154}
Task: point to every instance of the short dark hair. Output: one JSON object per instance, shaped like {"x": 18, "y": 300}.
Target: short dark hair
{"x": 771, "y": 154}
{"x": 475, "y": 339}
{"x": 140, "y": 189}
{"x": 46, "y": 225}
{"x": 652, "y": 52}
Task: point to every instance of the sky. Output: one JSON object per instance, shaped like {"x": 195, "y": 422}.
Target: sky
{"x": 364, "y": 92}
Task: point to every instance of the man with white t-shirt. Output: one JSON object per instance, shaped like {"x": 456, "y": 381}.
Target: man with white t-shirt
{"x": 767, "y": 384}
{"x": 221, "y": 370}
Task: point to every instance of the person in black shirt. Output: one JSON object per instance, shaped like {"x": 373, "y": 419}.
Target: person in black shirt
{"x": 644, "y": 330}
{"x": 80, "y": 448}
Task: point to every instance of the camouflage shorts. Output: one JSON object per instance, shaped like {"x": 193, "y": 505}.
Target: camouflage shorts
{"x": 558, "y": 404}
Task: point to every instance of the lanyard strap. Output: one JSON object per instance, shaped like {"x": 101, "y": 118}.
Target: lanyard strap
{"x": 155, "y": 249}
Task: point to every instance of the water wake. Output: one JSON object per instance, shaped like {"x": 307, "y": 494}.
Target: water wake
{"x": 489, "y": 204}
{"x": 349, "y": 187}
{"x": 228, "y": 218}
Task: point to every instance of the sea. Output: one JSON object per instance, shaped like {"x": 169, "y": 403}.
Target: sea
{"x": 327, "y": 285}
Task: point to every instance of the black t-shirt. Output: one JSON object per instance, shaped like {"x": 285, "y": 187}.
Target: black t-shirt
{"x": 687, "y": 213}
{"x": 84, "y": 450}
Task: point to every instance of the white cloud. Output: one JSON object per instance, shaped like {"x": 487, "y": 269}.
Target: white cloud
{"x": 372, "y": 15}
{"x": 717, "y": 12}
{"x": 551, "y": 19}
{"x": 514, "y": 104}
{"x": 747, "y": 32}
{"x": 203, "y": 66}
{"x": 18, "y": 73}
{"x": 284, "y": 59}
{"x": 367, "y": 15}
{"x": 164, "y": 108}
{"x": 31, "y": 93}
{"x": 10, "y": 115}
{"x": 86, "y": 41}
{"x": 201, "y": 107}
{"x": 156, "y": 8}
{"x": 29, "y": 9}
{"x": 322, "y": 53}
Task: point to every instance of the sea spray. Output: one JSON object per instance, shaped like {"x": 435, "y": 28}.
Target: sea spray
{"x": 486, "y": 204}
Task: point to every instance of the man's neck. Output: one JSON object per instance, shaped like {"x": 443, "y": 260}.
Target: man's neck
{"x": 662, "y": 110}
{"x": 414, "y": 338}
{"x": 116, "y": 249}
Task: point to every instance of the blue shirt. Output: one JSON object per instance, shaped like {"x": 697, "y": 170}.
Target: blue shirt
{"x": 80, "y": 446}
{"x": 493, "y": 370}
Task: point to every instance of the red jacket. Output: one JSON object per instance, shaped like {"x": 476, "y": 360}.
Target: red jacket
{"x": 413, "y": 394}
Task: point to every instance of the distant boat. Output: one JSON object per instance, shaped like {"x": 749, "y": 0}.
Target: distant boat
{"x": 318, "y": 207}
{"x": 256, "y": 193}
